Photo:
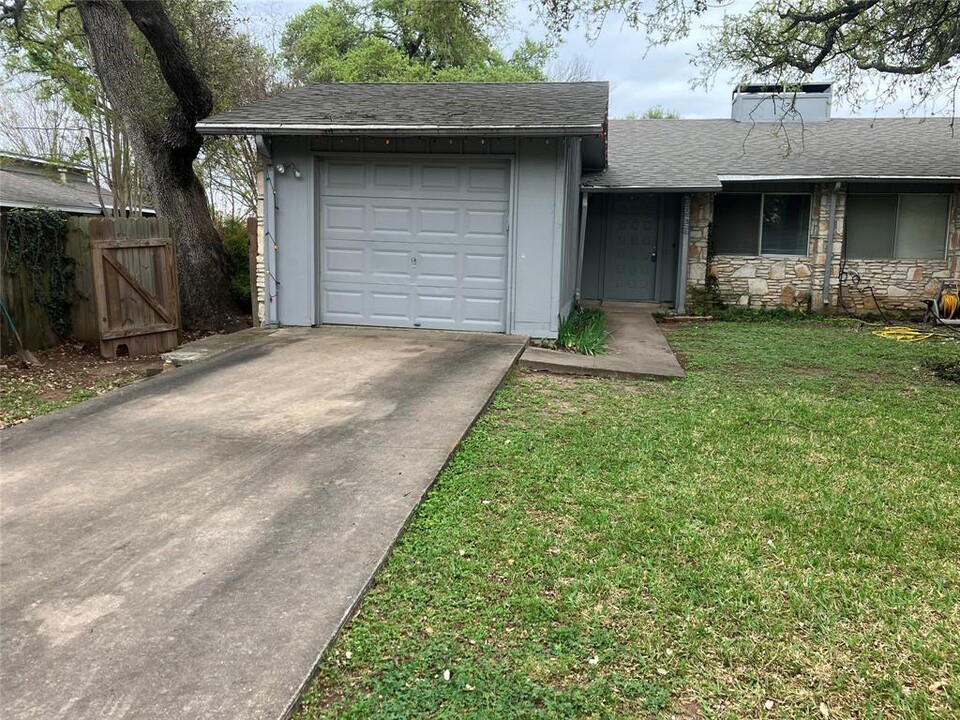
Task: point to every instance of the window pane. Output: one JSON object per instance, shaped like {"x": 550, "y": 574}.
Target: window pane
{"x": 922, "y": 226}
{"x": 786, "y": 224}
{"x": 736, "y": 223}
{"x": 871, "y": 226}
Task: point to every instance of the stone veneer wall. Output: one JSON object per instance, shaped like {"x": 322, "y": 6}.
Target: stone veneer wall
{"x": 701, "y": 216}
{"x": 796, "y": 282}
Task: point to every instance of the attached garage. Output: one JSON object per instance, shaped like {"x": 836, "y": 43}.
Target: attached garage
{"x": 417, "y": 242}
{"x": 448, "y": 206}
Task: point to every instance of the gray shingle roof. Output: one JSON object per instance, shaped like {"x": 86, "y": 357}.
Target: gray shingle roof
{"x": 26, "y": 189}
{"x": 696, "y": 154}
{"x": 423, "y": 109}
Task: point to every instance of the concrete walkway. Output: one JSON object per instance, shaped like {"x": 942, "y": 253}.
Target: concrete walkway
{"x": 637, "y": 349}
{"x": 186, "y": 547}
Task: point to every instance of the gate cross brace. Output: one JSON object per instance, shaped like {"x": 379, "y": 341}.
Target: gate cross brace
{"x": 152, "y": 301}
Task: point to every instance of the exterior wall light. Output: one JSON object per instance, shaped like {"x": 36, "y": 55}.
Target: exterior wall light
{"x": 282, "y": 169}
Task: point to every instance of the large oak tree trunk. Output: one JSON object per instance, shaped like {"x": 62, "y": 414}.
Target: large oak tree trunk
{"x": 165, "y": 141}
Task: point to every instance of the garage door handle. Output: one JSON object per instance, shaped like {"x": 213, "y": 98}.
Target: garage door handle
{"x": 653, "y": 257}
{"x": 413, "y": 260}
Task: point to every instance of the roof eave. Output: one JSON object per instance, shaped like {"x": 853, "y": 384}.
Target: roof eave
{"x": 221, "y": 128}
{"x": 839, "y": 178}
{"x": 73, "y": 209}
{"x": 650, "y": 188}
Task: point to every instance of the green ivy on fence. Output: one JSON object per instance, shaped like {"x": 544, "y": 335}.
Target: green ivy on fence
{"x": 36, "y": 245}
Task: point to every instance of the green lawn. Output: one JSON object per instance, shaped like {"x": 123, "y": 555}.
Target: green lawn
{"x": 777, "y": 535}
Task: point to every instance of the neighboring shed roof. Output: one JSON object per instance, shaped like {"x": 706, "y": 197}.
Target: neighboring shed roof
{"x": 691, "y": 155}
{"x": 29, "y": 189}
{"x": 422, "y": 109}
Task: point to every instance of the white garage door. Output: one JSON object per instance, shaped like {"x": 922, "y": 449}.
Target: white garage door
{"x": 414, "y": 243}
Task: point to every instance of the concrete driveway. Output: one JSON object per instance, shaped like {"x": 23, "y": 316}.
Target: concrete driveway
{"x": 187, "y": 546}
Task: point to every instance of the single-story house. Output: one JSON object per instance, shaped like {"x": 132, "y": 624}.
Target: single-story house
{"x": 495, "y": 207}
{"x": 29, "y": 182}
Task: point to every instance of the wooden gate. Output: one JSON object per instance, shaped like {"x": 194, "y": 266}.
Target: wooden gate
{"x": 135, "y": 286}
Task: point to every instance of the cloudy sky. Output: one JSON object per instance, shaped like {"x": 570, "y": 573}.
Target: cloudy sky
{"x": 639, "y": 80}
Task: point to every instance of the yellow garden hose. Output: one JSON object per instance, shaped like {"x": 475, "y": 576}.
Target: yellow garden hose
{"x": 901, "y": 333}
{"x": 949, "y": 302}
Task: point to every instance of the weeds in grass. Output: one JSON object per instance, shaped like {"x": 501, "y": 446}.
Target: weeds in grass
{"x": 584, "y": 331}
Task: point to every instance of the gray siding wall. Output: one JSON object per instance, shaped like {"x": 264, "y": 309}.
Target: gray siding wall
{"x": 571, "y": 226}
{"x": 544, "y": 229}
{"x": 296, "y": 230}
{"x": 538, "y": 236}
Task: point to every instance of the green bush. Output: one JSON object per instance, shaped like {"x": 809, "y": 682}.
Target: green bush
{"x": 233, "y": 233}
{"x": 584, "y": 330}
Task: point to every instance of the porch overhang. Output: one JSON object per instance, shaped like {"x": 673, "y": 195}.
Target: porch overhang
{"x": 647, "y": 189}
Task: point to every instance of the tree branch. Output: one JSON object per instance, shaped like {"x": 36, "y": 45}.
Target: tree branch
{"x": 191, "y": 92}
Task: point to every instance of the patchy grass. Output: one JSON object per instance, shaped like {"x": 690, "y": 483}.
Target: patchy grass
{"x": 777, "y": 535}
{"x": 69, "y": 374}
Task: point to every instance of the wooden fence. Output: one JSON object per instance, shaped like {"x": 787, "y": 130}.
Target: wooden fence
{"x": 126, "y": 289}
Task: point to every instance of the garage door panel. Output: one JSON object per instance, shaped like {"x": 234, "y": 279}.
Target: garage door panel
{"x": 388, "y": 306}
{"x": 413, "y": 221}
{"x": 392, "y": 220}
{"x": 437, "y": 265}
{"x": 344, "y": 219}
{"x": 404, "y": 180}
{"x": 343, "y": 305}
{"x": 429, "y": 308}
{"x": 446, "y": 178}
{"x": 484, "y": 269}
{"x": 482, "y": 310}
{"x": 417, "y": 244}
{"x": 344, "y": 262}
{"x": 393, "y": 176}
{"x": 437, "y": 309}
{"x": 439, "y": 222}
{"x": 389, "y": 266}
{"x": 492, "y": 179}
{"x": 343, "y": 175}
{"x": 486, "y": 222}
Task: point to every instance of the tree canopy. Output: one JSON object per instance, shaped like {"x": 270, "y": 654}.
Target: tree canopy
{"x": 406, "y": 41}
{"x": 657, "y": 112}
{"x": 141, "y": 73}
{"x": 870, "y": 49}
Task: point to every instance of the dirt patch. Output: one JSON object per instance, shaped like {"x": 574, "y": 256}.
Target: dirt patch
{"x": 66, "y": 375}
{"x": 948, "y": 370}
{"x": 68, "y": 366}
{"x": 223, "y": 325}
{"x": 72, "y": 372}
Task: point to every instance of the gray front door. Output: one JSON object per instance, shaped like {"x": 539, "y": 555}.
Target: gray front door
{"x": 630, "y": 257}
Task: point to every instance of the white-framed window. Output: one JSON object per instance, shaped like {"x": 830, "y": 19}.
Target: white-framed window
{"x": 906, "y": 225}
{"x": 761, "y": 223}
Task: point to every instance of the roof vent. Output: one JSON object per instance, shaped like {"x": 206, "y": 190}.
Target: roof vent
{"x": 782, "y": 103}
